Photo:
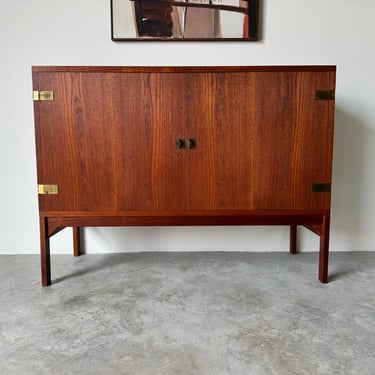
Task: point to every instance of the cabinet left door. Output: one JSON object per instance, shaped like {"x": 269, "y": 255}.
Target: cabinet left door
{"x": 108, "y": 141}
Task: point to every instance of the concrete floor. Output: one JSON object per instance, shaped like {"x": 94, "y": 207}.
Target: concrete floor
{"x": 188, "y": 314}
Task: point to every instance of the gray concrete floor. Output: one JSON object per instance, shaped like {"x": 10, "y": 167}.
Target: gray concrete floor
{"x": 188, "y": 314}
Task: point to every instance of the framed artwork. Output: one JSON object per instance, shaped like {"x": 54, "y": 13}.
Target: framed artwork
{"x": 210, "y": 20}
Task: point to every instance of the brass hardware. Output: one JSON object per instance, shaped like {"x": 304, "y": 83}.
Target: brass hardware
{"x": 47, "y": 189}
{"x": 180, "y": 143}
{"x": 325, "y": 95}
{"x": 42, "y": 95}
{"x": 321, "y": 187}
{"x": 190, "y": 143}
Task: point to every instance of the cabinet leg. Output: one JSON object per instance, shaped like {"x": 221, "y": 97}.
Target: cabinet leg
{"x": 324, "y": 250}
{"x": 45, "y": 253}
{"x": 76, "y": 241}
{"x": 293, "y": 239}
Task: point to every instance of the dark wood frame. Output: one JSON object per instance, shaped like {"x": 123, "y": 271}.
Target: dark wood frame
{"x": 318, "y": 222}
{"x": 254, "y": 9}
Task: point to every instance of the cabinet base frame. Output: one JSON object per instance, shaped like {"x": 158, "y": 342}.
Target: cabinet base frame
{"x": 51, "y": 223}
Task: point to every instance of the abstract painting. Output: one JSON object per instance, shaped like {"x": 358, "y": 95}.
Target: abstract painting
{"x": 184, "y": 20}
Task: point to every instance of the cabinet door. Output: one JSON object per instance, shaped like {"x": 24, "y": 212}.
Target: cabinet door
{"x": 293, "y": 141}
{"x": 149, "y": 118}
{"x": 108, "y": 142}
{"x": 75, "y": 142}
{"x": 262, "y": 140}
{"x": 217, "y": 118}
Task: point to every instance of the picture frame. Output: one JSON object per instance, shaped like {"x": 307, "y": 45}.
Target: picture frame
{"x": 184, "y": 20}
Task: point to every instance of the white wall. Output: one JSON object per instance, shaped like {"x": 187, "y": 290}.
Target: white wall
{"x": 71, "y": 32}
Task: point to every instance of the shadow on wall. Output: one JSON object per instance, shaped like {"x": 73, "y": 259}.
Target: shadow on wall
{"x": 348, "y": 199}
{"x": 190, "y": 238}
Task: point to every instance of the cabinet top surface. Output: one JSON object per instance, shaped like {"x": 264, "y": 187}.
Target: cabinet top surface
{"x": 184, "y": 69}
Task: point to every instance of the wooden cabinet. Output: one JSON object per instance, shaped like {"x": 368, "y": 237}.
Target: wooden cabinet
{"x": 184, "y": 146}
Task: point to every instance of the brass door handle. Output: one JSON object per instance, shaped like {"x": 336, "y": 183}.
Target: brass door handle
{"x": 180, "y": 143}
{"x": 190, "y": 142}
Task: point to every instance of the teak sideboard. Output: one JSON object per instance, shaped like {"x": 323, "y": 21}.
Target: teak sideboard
{"x": 158, "y": 146}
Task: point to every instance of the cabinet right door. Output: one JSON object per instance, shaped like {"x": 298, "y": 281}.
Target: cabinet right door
{"x": 261, "y": 140}
{"x": 293, "y": 142}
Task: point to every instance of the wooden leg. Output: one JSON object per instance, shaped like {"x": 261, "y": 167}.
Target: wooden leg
{"x": 293, "y": 239}
{"x": 76, "y": 241}
{"x": 45, "y": 253}
{"x": 324, "y": 249}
